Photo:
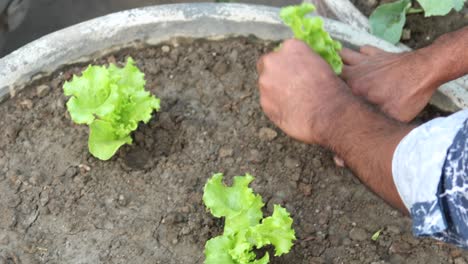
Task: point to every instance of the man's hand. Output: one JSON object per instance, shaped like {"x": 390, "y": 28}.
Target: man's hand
{"x": 401, "y": 84}
{"x": 301, "y": 94}
{"x": 299, "y": 91}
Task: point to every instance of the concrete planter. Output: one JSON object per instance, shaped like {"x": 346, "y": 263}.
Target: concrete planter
{"x": 156, "y": 24}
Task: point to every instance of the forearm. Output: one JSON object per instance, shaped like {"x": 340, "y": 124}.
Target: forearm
{"x": 366, "y": 140}
{"x": 448, "y": 56}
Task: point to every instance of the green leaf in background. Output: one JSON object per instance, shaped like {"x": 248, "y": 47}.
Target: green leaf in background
{"x": 387, "y": 20}
{"x": 311, "y": 31}
{"x": 440, "y": 7}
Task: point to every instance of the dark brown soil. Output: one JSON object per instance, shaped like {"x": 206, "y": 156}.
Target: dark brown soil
{"x": 60, "y": 205}
{"x": 423, "y": 30}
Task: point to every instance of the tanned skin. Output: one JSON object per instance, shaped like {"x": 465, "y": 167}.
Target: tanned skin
{"x": 300, "y": 93}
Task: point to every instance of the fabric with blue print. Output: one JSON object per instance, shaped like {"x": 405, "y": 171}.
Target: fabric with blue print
{"x": 446, "y": 218}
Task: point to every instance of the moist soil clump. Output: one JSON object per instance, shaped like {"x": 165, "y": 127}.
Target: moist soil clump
{"x": 421, "y": 31}
{"x": 61, "y": 205}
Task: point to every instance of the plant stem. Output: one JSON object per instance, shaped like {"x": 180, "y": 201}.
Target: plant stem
{"x": 414, "y": 11}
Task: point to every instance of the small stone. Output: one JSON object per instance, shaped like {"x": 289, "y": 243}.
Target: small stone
{"x": 137, "y": 158}
{"x": 358, "y": 234}
{"x": 294, "y": 176}
{"x": 71, "y": 172}
{"x": 4, "y": 240}
{"x": 225, "y": 152}
{"x": 459, "y": 261}
{"x": 166, "y": 122}
{"x": 185, "y": 231}
{"x": 13, "y": 200}
{"x": 165, "y": 49}
{"x": 44, "y": 199}
{"x": 371, "y": 3}
{"x": 36, "y": 178}
{"x": 346, "y": 241}
{"x": 316, "y": 162}
{"x": 122, "y": 201}
{"x": 220, "y": 68}
{"x": 338, "y": 161}
{"x": 27, "y": 104}
{"x": 306, "y": 189}
{"x": 406, "y": 35}
{"x": 399, "y": 247}
{"x": 255, "y": 156}
{"x": 291, "y": 163}
{"x": 456, "y": 253}
{"x": 267, "y": 134}
{"x": 31, "y": 218}
{"x": 42, "y": 90}
{"x": 394, "y": 230}
{"x": 84, "y": 168}
{"x": 174, "y": 218}
{"x": 111, "y": 59}
{"x": 233, "y": 56}
{"x": 12, "y": 92}
{"x": 12, "y": 132}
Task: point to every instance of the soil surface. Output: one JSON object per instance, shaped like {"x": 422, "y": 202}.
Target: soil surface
{"x": 421, "y": 31}
{"x": 61, "y": 205}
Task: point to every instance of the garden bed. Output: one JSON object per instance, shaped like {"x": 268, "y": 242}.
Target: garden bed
{"x": 422, "y": 30}
{"x": 61, "y": 205}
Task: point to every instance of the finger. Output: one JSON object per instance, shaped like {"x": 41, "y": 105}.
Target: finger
{"x": 351, "y": 57}
{"x": 346, "y": 72}
{"x": 294, "y": 44}
{"x": 371, "y": 50}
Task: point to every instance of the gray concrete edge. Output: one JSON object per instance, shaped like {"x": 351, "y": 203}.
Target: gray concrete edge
{"x": 156, "y": 24}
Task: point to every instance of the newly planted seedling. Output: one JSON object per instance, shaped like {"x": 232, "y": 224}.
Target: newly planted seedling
{"x": 387, "y": 20}
{"x": 244, "y": 225}
{"x": 311, "y": 31}
{"x": 112, "y": 101}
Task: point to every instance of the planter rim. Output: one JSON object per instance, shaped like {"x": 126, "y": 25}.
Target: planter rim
{"x": 152, "y": 25}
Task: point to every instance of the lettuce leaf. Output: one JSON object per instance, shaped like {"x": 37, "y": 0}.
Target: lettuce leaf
{"x": 245, "y": 228}
{"x": 92, "y": 95}
{"x": 112, "y": 101}
{"x": 440, "y": 7}
{"x": 387, "y": 20}
{"x": 275, "y": 230}
{"x": 311, "y": 31}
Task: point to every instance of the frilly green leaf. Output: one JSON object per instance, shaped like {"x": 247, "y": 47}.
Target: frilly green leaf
{"x": 275, "y": 230}
{"x": 112, "y": 101}
{"x": 387, "y": 20}
{"x": 243, "y": 231}
{"x": 311, "y": 31}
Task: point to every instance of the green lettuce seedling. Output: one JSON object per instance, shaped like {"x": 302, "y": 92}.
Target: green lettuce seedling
{"x": 244, "y": 225}
{"x": 112, "y": 101}
{"x": 311, "y": 31}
